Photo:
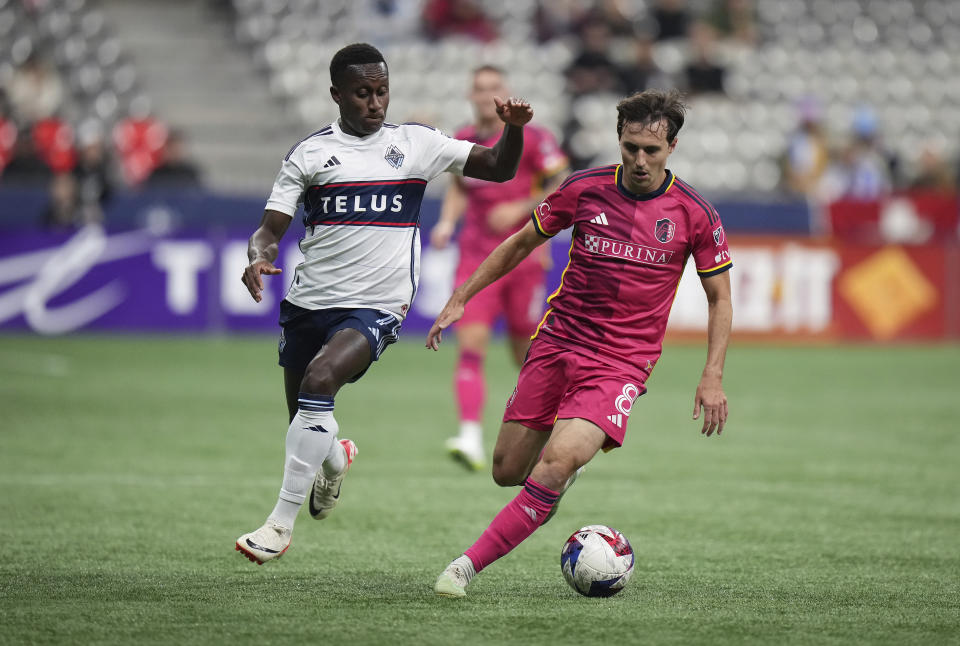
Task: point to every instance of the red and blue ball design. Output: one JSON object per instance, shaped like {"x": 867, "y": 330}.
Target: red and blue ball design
{"x": 597, "y": 561}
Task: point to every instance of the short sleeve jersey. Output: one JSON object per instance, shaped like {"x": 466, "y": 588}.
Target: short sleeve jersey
{"x": 541, "y": 159}
{"x": 361, "y": 198}
{"x": 627, "y": 254}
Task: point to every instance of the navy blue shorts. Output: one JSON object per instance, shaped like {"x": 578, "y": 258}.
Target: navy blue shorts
{"x": 304, "y": 332}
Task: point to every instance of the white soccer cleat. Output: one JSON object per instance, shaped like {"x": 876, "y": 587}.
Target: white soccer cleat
{"x": 265, "y": 544}
{"x": 467, "y": 452}
{"x": 453, "y": 581}
{"x": 326, "y": 491}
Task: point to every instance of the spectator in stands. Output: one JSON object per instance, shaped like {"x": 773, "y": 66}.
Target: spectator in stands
{"x": 933, "y": 173}
{"x": 176, "y": 170}
{"x": 62, "y": 211}
{"x": 26, "y": 167}
{"x": 443, "y": 18}
{"x": 672, "y": 19}
{"x": 592, "y": 70}
{"x": 35, "y": 90}
{"x": 94, "y": 184}
{"x": 704, "y": 73}
{"x": 872, "y": 168}
{"x": 807, "y": 154}
{"x": 557, "y": 18}
{"x": 643, "y": 72}
{"x": 734, "y": 20}
{"x": 611, "y": 12}
{"x": 862, "y": 171}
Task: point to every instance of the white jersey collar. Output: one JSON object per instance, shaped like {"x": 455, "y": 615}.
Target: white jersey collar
{"x": 350, "y": 139}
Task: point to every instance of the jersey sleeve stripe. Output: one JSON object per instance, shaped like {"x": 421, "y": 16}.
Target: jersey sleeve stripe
{"x": 538, "y": 226}
{"x": 719, "y": 269}
{"x": 590, "y": 172}
{"x": 711, "y": 212}
{"x": 706, "y": 208}
{"x": 322, "y": 131}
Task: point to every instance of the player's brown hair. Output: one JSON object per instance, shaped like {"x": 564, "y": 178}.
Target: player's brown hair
{"x": 650, "y": 107}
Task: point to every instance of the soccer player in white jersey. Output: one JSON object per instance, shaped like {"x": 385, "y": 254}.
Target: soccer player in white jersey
{"x": 361, "y": 181}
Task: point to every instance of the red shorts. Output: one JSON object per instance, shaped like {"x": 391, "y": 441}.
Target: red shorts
{"x": 558, "y": 383}
{"x": 518, "y": 296}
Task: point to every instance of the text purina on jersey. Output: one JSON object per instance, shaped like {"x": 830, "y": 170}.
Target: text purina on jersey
{"x": 361, "y": 199}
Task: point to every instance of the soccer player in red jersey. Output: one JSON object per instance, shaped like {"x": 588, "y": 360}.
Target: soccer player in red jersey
{"x": 634, "y": 226}
{"x": 492, "y": 212}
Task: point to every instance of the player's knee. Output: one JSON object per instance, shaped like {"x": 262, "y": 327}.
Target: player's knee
{"x": 319, "y": 379}
{"x": 506, "y": 474}
{"x": 554, "y": 470}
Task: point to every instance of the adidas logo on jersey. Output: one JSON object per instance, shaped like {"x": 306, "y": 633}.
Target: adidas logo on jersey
{"x": 601, "y": 219}
{"x": 333, "y": 161}
{"x": 616, "y": 419}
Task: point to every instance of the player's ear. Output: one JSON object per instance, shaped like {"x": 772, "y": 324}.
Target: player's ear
{"x": 673, "y": 144}
{"x": 335, "y": 94}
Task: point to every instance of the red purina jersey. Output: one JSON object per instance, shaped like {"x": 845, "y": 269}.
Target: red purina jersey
{"x": 542, "y": 158}
{"x": 627, "y": 254}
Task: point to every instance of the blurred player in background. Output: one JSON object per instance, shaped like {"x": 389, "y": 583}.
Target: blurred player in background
{"x": 634, "y": 226}
{"x": 492, "y": 212}
{"x": 361, "y": 181}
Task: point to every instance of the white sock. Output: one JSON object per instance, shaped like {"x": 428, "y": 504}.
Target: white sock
{"x": 472, "y": 432}
{"x": 310, "y": 437}
{"x": 466, "y": 565}
{"x": 336, "y": 461}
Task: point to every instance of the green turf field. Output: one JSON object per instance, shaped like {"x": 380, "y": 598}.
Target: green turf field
{"x": 828, "y": 513}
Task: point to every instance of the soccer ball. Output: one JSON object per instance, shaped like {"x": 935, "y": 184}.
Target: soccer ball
{"x": 597, "y": 561}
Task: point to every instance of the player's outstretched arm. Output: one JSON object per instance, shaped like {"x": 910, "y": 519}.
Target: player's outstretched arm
{"x": 498, "y": 164}
{"x": 710, "y": 396}
{"x": 262, "y": 251}
{"x": 500, "y": 261}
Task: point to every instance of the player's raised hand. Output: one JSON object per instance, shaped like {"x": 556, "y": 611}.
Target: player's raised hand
{"x": 513, "y": 111}
{"x": 451, "y": 313}
{"x": 712, "y": 400}
{"x": 251, "y": 277}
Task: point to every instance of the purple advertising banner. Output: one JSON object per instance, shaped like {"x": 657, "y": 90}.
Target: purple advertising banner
{"x": 143, "y": 280}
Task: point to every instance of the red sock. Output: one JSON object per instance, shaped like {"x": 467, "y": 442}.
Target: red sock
{"x": 470, "y": 386}
{"x": 513, "y": 524}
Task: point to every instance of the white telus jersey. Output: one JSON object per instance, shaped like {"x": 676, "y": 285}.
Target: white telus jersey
{"x": 361, "y": 198}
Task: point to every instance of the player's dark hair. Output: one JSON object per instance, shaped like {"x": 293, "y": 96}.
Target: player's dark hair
{"x": 487, "y": 67}
{"x": 650, "y": 107}
{"x": 355, "y": 54}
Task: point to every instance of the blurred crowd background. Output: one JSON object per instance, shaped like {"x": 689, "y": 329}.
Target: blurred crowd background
{"x": 830, "y": 120}
{"x": 817, "y": 98}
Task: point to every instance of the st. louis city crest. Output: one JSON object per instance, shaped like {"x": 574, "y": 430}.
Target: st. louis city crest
{"x": 718, "y": 235}
{"x": 664, "y": 230}
{"x": 393, "y": 156}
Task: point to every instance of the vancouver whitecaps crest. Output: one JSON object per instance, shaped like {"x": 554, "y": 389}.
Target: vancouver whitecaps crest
{"x": 393, "y": 156}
